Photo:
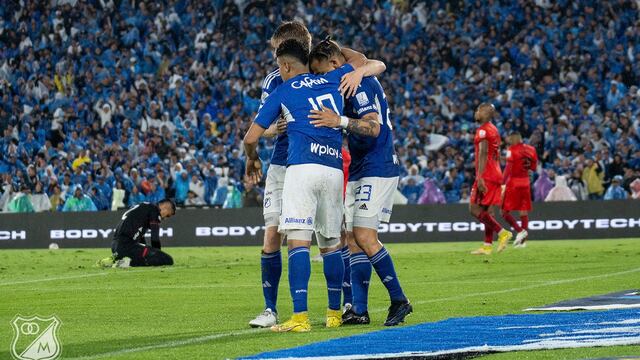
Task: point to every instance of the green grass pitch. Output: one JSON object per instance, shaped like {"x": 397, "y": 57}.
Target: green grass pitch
{"x": 199, "y": 308}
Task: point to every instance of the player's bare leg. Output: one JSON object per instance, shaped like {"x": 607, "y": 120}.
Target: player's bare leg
{"x": 367, "y": 239}
{"x": 271, "y": 264}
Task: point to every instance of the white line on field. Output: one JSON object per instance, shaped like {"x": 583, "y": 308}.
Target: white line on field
{"x": 496, "y": 292}
{"x": 107, "y": 273}
{"x": 169, "y": 344}
{"x": 52, "y": 279}
{"x": 80, "y": 276}
{"x": 94, "y": 287}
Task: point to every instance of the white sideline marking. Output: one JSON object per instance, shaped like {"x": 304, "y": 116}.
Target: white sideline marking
{"x": 93, "y": 287}
{"x": 125, "y": 271}
{"x": 586, "y": 307}
{"x": 218, "y": 286}
{"x": 169, "y": 344}
{"x": 52, "y": 279}
{"x": 20, "y": 282}
{"x": 528, "y": 287}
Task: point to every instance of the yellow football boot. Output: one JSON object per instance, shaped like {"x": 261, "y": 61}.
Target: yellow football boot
{"x": 483, "y": 250}
{"x": 334, "y": 318}
{"x": 503, "y": 239}
{"x": 298, "y": 323}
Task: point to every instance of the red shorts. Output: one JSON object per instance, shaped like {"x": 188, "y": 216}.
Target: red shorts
{"x": 491, "y": 197}
{"x": 517, "y": 198}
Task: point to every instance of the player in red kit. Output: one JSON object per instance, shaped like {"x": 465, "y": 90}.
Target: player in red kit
{"x": 517, "y": 189}
{"x": 487, "y": 189}
{"x": 346, "y": 161}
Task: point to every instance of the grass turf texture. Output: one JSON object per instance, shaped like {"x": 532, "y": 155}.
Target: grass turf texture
{"x": 200, "y": 307}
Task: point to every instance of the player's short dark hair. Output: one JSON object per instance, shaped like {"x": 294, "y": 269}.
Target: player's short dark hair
{"x": 294, "y": 49}
{"x": 292, "y": 30}
{"x": 325, "y": 50}
{"x": 171, "y": 202}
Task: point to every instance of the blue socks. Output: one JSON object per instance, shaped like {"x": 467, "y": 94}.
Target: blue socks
{"x": 299, "y": 274}
{"x": 333, "y": 273}
{"x": 271, "y": 265}
{"x": 360, "y": 277}
{"x": 384, "y": 268}
{"x": 346, "y": 280}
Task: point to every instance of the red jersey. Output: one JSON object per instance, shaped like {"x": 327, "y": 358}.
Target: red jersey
{"x": 489, "y": 133}
{"x": 520, "y": 159}
{"x": 346, "y": 161}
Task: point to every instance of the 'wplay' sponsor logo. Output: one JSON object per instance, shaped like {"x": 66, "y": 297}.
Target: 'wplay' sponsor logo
{"x": 323, "y": 150}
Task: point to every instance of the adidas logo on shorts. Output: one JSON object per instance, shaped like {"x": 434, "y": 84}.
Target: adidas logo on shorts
{"x": 363, "y": 207}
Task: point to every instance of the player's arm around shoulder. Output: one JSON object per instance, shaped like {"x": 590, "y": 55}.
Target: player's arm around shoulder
{"x": 352, "y": 79}
{"x": 368, "y": 125}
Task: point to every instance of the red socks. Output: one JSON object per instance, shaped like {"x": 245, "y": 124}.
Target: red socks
{"x": 489, "y": 222}
{"x": 488, "y": 236}
{"x": 511, "y": 220}
{"x": 524, "y": 219}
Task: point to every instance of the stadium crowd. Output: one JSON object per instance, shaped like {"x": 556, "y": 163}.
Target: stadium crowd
{"x": 108, "y": 103}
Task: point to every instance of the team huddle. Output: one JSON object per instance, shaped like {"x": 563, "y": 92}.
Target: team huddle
{"x": 317, "y": 95}
{"x": 320, "y": 92}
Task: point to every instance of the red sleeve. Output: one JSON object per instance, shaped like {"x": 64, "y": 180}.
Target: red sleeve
{"x": 346, "y": 161}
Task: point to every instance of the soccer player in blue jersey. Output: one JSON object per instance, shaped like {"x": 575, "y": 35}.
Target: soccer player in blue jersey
{"x": 271, "y": 259}
{"x": 373, "y": 179}
{"x": 313, "y": 180}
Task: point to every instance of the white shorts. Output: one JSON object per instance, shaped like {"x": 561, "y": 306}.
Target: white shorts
{"x": 311, "y": 200}
{"x": 272, "y": 204}
{"x": 371, "y": 200}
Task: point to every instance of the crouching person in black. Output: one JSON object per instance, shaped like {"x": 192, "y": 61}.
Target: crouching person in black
{"x": 129, "y": 245}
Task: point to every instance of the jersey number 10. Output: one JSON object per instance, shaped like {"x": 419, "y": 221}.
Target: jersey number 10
{"x": 320, "y": 101}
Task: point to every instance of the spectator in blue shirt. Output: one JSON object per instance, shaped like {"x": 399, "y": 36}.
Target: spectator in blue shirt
{"x": 615, "y": 191}
{"x": 181, "y": 186}
{"x": 135, "y": 197}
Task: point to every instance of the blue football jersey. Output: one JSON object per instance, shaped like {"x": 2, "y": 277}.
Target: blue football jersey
{"x": 371, "y": 156}
{"x": 295, "y": 99}
{"x": 281, "y": 143}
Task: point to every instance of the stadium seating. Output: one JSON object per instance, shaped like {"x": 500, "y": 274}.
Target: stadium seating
{"x": 138, "y": 104}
